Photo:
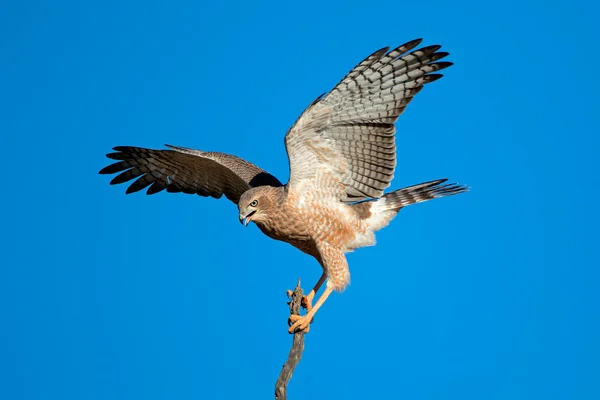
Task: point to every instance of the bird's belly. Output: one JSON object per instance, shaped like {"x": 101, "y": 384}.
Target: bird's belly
{"x": 339, "y": 226}
{"x": 335, "y": 224}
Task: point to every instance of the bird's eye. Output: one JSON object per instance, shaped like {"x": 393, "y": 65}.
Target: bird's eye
{"x": 254, "y": 203}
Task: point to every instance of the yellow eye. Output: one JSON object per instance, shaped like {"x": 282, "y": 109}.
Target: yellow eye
{"x": 254, "y": 203}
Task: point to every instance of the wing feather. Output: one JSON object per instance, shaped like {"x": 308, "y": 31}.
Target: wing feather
{"x": 186, "y": 171}
{"x": 349, "y": 134}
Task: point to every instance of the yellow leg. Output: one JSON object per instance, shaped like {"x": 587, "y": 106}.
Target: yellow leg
{"x": 307, "y": 300}
{"x": 303, "y": 322}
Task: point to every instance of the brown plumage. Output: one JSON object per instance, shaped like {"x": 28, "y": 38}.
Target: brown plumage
{"x": 342, "y": 155}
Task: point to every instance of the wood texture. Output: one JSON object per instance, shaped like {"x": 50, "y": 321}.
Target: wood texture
{"x": 295, "y": 352}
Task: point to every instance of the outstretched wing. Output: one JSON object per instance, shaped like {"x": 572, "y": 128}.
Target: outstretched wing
{"x": 186, "y": 170}
{"x": 345, "y": 141}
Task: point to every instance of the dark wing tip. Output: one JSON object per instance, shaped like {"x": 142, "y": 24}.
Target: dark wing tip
{"x": 122, "y": 178}
{"x": 379, "y": 53}
{"x": 432, "y": 77}
{"x": 122, "y": 152}
{"x": 429, "y": 50}
{"x": 115, "y": 156}
{"x": 106, "y": 170}
{"x": 157, "y": 186}
{"x": 413, "y": 43}
{"x": 132, "y": 189}
{"x": 443, "y": 64}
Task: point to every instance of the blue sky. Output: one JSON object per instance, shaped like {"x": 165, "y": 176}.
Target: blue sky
{"x": 492, "y": 294}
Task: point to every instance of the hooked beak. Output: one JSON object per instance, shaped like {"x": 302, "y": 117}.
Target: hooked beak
{"x": 245, "y": 219}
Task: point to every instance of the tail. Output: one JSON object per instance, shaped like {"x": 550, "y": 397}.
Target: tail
{"x": 421, "y": 192}
{"x": 379, "y": 213}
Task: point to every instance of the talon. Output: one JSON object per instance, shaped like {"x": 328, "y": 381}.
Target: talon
{"x": 293, "y": 318}
{"x": 299, "y": 323}
{"x": 307, "y": 302}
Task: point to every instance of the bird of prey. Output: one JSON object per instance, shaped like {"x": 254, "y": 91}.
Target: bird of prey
{"x": 342, "y": 156}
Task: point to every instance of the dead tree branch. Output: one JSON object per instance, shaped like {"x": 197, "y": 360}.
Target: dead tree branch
{"x": 295, "y": 351}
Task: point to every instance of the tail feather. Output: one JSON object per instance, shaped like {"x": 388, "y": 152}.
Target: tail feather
{"x": 421, "y": 192}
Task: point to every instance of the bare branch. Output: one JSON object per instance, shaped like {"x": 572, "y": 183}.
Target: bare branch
{"x": 295, "y": 351}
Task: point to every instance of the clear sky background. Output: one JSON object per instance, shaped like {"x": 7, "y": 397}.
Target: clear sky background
{"x": 487, "y": 295}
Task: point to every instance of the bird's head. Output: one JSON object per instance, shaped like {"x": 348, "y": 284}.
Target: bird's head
{"x": 253, "y": 205}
